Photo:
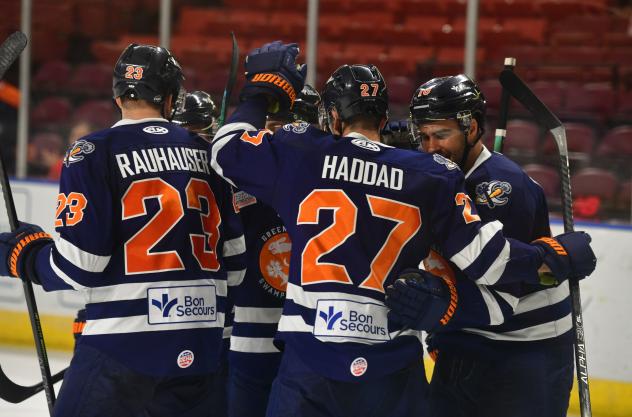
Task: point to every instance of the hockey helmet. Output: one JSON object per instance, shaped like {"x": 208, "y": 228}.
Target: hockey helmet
{"x": 448, "y": 98}
{"x": 353, "y": 90}
{"x": 198, "y": 113}
{"x": 148, "y": 73}
{"x": 306, "y": 105}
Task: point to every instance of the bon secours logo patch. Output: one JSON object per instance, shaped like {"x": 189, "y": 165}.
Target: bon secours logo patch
{"x": 156, "y": 130}
{"x": 182, "y": 304}
{"x": 493, "y": 193}
{"x": 78, "y": 151}
{"x": 444, "y": 161}
{"x": 350, "y": 320}
{"x": 366, "y": 144}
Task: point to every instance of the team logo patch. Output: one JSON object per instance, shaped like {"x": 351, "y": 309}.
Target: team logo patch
{"x": 296, "y": 127}
{"x": 156, "y": 130}
{"x": 274, "y": 263}
{"x": 79, "y": 149}
{"x": 196, "y": 303}
{"x": 242, "y": 199}
{"x": 493, "y": 193}
{"x": 366, "y": 144}
{"x": 444, "y": 161}
{"x": 185, "y": 358}
{"x": 358, "y": 366}
{"x": 348, "y": 320}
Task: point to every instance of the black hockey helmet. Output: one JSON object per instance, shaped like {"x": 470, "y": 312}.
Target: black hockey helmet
{"x": 353, "y": 90}
{"x": 148, "y": 73}
{"x": 448, "y": 98}
{"x": 198, "y": 113}
{"x": 306, "y": 105}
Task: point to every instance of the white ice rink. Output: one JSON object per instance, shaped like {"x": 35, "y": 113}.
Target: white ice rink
{"x": 21, "y": 366}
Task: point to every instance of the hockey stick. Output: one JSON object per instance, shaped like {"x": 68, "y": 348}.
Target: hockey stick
{"x": 9, "y": 51}
{"x": 232, "y": 77}
{"x": 518, "y": 89}
{"x": 501, "y": 129}
{"x": 14, "y": 393}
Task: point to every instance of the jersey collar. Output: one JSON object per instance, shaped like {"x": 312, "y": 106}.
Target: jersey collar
{"x": 361, "y": 136}
{"x": 124, "y": 122}
{"x": 482, "y": 157}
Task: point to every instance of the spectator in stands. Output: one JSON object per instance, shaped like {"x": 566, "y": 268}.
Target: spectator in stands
{"x": 44, "y": 151}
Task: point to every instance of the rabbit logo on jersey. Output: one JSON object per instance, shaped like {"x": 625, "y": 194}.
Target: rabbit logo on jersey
{"x": 182, "y": 304}
{"x": 274, "y": 261}
{"x": 350, "y": 320}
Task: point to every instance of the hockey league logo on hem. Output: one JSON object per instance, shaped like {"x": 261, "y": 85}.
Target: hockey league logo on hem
{"x": 358, "y": 367}
{"x": 172, "y": 305}
{"x": 78, "y": 151}
{"x": 242, "y": 199}
{"x": 493, "y": 193}
{"x": 351, "y": 320}
{"x": 185, "y": 359}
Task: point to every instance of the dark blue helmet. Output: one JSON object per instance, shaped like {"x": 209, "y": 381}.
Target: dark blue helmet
{"x": 199, "y": 113}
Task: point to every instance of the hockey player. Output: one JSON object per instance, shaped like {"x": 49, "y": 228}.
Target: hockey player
{"x": 524, "y": 366}
{"x": 358, "y": 212}
{"x": 199, "y": 115}
{"x": 254, "y": 360}
{"x": 145, "y": 232}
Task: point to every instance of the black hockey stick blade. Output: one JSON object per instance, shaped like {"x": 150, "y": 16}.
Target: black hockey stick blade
{"x": 232, "y": 78}
{"x": 10, "y": 50}
{"x": 14, "y": 393}
{"x": 519, "y": 90}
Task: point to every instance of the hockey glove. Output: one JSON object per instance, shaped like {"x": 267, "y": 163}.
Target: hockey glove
{"x": 18, "y": 250}
{"x": 395, "y": 133}
{"x": 272, "y": 71}
{"x": 568, "y": 255}
{"x": 420, "y": 300}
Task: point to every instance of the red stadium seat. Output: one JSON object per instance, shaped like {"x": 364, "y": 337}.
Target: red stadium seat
{"x": 51, "y": 110}
{"x": 53, "y": 76}
{"x": 522, "y": 138}
{"x": 547, "y": 177}
{"x": 509, "y": 8}
{"x": 617, "y": 142}
{"x": 624, "y": 198}
{"x": 100, "y": 113}
{"x": 595, "y": 182}
{"x": 580, "y": 139}
{"x": 532, "y": 29}
{"x": 596, "y": 100}
{"x": 576, "y": 38}
{"x": 91, "y": 80}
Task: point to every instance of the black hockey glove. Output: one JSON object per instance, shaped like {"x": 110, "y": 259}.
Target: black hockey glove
{"x": 395, "y": 133}
{"x": 18, "y": 250}
{"x": 272, "y": 71}
{"x": 420, "y": 300}
{"x": 568, "y": 255}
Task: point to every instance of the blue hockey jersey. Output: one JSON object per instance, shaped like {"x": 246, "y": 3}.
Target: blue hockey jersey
{"x": 357, "y": 213}
{"x": 259, "y": 297}
{"x": 502, "y": 191}
{"x": 148, "y": 234}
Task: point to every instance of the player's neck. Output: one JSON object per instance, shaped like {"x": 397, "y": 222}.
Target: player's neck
{"x": 473, "y": 156}
{"x": 368, "y": 133}
{"x": 140, "y": 113}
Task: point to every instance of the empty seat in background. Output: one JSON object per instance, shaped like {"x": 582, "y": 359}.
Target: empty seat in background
{"x": 100, "y": 113}
{"x": 617, "y": 142}
{"x": 52, "y": 76}
{"x": 91, "y": 79}
{"x": 547, "y": 177}
{"x": 522, "y": 138}
{"x": 51, "y": 111}
{"x": 595, "y": 181}
{"x": 590, "y": 100}
{"x": 623, "y": 200}
{"x": 509, "y": 8}
{"x": 580, "y": 139}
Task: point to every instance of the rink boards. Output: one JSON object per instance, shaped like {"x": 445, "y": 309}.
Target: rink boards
{"x": 605, "y": 299}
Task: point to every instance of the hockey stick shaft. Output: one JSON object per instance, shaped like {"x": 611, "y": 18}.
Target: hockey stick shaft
{"x": 9, "y": 51}
{"x": 15, "y": 393}
{"x": 230, "y": 84}
{"x": 501, "y": 129}
{"x": 518, "y": 89}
